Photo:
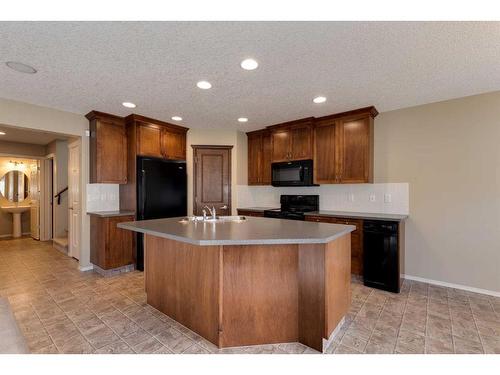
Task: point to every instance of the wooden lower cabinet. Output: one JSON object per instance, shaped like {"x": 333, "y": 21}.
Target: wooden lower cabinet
{"x": 110, "y": 246}
{"x": 250, "y": 213}
{"x": 356, "y": 238}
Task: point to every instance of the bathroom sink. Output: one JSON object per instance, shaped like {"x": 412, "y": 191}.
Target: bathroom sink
{"x": 209, "y": 219}
{"x": 16, "y": 211}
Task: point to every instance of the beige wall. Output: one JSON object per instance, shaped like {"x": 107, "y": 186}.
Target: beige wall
{"x": 30, "y": 116}
{"x": 218, "y": 137}
{"x": 449, "y": 152}
{"x": 21, "y": 149}
{"x": 6, "y": 218}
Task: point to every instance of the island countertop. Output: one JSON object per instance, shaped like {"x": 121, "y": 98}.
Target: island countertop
{"x": 252, "y": 231}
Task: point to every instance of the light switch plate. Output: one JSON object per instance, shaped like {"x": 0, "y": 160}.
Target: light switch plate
{"x": 387, "y": 198}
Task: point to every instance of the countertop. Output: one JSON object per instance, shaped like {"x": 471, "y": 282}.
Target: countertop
{"x": 252, "y": 231}
{"x": 258, "y": 209}
{"x": 111, "y": 213}
{"x": 358, "y": 215}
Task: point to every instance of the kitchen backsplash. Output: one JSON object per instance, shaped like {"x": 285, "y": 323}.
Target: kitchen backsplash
{"x": 103, "y": 197}
{"x": 382, "y": 198}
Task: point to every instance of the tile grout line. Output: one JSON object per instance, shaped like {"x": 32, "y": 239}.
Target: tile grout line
{"x": 451, "y": 322}
{"x": 402, "y": 318}
{"x": 475, "y": 324}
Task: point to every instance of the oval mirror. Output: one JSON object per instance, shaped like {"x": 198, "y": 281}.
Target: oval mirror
{"x": 14, "y": 186}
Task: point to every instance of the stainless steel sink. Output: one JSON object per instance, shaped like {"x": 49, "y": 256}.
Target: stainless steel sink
{"x": 218, "y": 219}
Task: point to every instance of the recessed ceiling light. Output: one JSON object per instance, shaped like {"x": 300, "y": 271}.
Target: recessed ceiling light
{"x": 204, "y": 85}
{"x": 176, "y": 118}
{"x": 249, "y": 64}
{"x": 319, "y": 99}
{"x": 242, "y": 119}
{"x": 20, "y": 67}
{"x": 2, "y": 133}
{"x": 129, "y": 105}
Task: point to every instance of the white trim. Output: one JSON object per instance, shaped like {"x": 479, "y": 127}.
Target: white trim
{"x": 451, "y": 285}
{"x": 86, "y": 268}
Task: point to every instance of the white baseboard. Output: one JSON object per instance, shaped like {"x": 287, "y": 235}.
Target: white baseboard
{"x": 86, "y": 268}
{"x": 455, "y": 286}
{"x": 10, "y": 235}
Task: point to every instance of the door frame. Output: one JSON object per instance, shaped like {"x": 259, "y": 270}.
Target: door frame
{"x": 77, "y": 144}
{"x": 195, "y": 166}
{"x": 46, "y": 200}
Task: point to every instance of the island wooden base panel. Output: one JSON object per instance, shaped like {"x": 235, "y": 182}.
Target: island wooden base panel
{"x": 251, "y": 294}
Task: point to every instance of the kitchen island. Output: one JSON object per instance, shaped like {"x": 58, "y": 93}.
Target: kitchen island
{"x": 249, "y": 281}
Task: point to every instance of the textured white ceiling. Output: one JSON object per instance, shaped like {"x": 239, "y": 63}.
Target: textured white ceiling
{"x": 88, "y": 65}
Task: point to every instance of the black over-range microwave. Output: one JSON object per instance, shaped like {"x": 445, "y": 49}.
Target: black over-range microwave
{"x": 292, "y": 173}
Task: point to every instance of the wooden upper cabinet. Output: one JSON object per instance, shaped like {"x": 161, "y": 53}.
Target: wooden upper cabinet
{"x": 266, "y": 159}
{"x": 259, "y": 158}
{"x": 340, "y": 145}
{"x": 292, "y": 140}
{"x": 108, "y": 148}
{"x": 343, "y": 147}
{"x": 280, "y": 140}
{"x": 355, "y": 141}
{"x": 325, "y": 150}
{"x": 301, "y": 144}
{"x": 159, "y": 139}
{"x": 149, "y": 141}
{"x": 173, "y": 144}
{"x": 254, "y": 158}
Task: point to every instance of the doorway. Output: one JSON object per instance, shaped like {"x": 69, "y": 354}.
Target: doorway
{"x": 212, "y": 179}
{"x": 54, "y": 175}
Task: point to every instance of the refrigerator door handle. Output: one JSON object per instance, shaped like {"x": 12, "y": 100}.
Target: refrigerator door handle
{"x": 143, "y": 193}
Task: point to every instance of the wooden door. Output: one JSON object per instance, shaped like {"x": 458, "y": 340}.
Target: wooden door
{"x": 212, "y": 179}
{"x": 111, "y": 153}
{"x": 254, "y": 159}
{"x": 325, "y": 150}
{"x": 355, "y": 149}
{"x": 265, "y": 164}
{"x": 149, "y": 141}
{"x": 301, "y": 142}
{"x": 173, "y": 144}
{"x": 74, "y": 200}
{"x": 280, "y": 140}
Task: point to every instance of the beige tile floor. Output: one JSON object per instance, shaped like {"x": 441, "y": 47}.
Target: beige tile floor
{"x": 61, "y": 310}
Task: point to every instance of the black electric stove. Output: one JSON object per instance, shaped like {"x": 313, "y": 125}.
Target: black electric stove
{"x": 293, "y": 207}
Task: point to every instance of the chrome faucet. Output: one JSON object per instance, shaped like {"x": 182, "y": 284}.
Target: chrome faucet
{"x": 212, "y": 213}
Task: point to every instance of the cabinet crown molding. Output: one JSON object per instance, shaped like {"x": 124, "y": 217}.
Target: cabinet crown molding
{"x": 151, "y": 121}
{"x": 96, "y": 115}
{"x": 371, "y": 111}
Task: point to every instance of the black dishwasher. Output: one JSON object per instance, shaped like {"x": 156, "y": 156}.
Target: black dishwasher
{"x": 381, "y": 255}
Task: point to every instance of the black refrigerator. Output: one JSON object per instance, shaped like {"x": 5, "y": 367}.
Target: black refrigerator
{"x": 161, "y": 193}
